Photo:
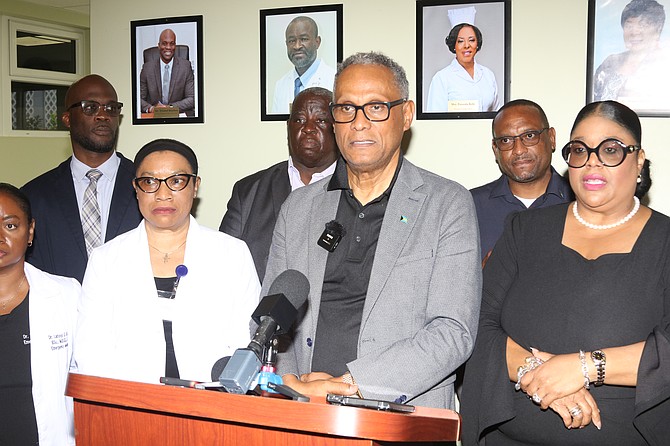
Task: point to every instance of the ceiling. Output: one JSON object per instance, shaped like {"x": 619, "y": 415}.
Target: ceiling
{"x": 80, "y": 6}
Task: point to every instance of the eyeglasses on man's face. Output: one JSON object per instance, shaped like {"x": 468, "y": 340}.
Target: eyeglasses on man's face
{"x": 374, "y": 111}
{"x": 175, "y": 183}
{"x": 528, "y": 139}
{"x": 91, "y": 108}
{"x": 611, "y": 152}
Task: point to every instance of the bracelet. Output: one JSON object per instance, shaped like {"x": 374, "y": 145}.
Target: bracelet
{"x": 531, "y": 363}
{"x": 585, "y": 369}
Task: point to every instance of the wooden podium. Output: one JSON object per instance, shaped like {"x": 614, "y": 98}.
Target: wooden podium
{"x": 113, "y": 412}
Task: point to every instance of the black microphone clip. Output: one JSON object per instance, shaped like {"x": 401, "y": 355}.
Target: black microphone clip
{"x": 331, "y": 236}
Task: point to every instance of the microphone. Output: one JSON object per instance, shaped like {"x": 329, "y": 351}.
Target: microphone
{"x": 274, "y": 315}
{"x": 218, "y": 367}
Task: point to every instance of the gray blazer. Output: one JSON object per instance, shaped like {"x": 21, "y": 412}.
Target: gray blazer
{"x": 421, "y": 311}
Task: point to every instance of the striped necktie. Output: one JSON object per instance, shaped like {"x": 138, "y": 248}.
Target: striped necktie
{"x": 90, "y": 212}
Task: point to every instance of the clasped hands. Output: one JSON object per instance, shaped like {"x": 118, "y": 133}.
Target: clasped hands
{"x": 558, "y": 384}
{"x": 319, "y": 384}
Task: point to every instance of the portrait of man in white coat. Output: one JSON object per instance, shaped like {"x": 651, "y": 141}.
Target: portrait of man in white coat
{"x": 301, "y": 51}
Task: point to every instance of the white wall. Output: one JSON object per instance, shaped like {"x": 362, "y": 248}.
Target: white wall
{"x": 548, "y": 66}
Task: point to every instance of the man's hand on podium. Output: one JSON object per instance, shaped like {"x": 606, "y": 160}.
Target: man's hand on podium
{"x": 319, "y": 384}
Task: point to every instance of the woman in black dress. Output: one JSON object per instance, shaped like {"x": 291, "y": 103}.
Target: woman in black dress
{"x": 574, "y": 338}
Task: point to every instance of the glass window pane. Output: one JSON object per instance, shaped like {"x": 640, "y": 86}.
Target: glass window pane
{"x": 43, "y": 52}
{"x": 37, "y": 106}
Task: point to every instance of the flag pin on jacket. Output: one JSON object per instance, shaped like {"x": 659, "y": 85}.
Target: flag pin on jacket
{"x": 403, "y": 219}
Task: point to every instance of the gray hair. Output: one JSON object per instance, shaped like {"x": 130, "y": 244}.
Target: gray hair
{"x": 374, "y": 58}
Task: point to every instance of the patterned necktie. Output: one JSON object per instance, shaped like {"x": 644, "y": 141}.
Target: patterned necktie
{"x": 297, "y": 87}
{"x": 90, "y": 212}
{"x": 166, "y": 85}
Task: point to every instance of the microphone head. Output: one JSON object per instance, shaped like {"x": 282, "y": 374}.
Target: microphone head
{"x": 218, "y": 367}
{"x": 292, "y": 284}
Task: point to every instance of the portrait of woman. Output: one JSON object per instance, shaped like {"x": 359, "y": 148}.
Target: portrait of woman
{"x": 573, "y": 341}
{"x": 637, "y": 76}
{"x": 464, "y": 85}
{"x": 170, "y": 297}
{"x": 38, "y": 317}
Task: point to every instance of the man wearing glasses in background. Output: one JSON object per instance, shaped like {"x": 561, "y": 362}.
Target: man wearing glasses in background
{"x": 89, "y": 198}
{"x": 523, "y": 143}
{"x": 393, "y": 307}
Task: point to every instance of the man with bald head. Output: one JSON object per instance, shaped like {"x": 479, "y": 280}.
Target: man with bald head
{"x": 302, "y": 43}
{"x": 256, "y": 199}
{"x": 168, "y": 80}
{"x": 88, "y": 199}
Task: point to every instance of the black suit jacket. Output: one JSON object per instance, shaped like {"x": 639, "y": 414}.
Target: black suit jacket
{"x": 253, "y": 209}
{"x": 58, "y": 245}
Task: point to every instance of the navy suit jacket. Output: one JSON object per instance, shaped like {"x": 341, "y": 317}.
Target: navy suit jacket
{"x": 253, "y": 209}
{"x": 182, "y": 90}
{"x": 58, "y": 245}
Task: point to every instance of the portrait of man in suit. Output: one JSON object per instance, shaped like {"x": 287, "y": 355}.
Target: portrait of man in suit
{"x": 393, "y": 308}
{"x": 167, "y": 81}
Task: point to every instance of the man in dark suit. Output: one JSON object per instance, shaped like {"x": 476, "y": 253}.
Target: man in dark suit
{"x": 167, "y": 71}
{"x": 256, "y": 199}
{"x": 58, "y": 196}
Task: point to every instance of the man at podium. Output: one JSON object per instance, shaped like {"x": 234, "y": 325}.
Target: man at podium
{"x": 391, "y": 252}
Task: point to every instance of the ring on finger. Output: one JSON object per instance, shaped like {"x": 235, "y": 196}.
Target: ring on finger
{"x": 536, "y": 398}
{"x": 576, "y": 412}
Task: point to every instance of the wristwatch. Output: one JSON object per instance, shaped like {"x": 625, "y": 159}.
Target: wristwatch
{"x": 599, "y": 360}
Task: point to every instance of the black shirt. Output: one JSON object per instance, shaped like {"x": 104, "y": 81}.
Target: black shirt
{"x": 18, "y": 425}
{"x": 171, "y": 368}
{"x": 345, "y": 282}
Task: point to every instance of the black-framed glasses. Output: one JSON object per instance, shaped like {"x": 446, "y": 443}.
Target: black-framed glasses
{"x": 175, "y": 183}
{"x": 91, "y": 108}
{"x": 610, "y": 152}
{"x": 375, "y": 111}
{"x": 528, "y": 139}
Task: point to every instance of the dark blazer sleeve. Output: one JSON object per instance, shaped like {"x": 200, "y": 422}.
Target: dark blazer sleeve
{"x": 58, "y": 244}
{"x": 149, "y": 93}
{"x": 124, "y": 213}
{"x": 253, "y": 209}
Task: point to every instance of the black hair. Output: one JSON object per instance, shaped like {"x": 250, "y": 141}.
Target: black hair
{"x": 170, "y": 145}
{"x": 521, "y": 103}
{"x": 453, "y": 36}
{"x": 650, "y": 10}
{"x": 645, "y": 184}
{"x": 20, "y": 198}
{"x": 614, "y": 111}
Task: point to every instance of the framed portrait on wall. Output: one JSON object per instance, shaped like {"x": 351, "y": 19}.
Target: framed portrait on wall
{"x": 167, "y": 70}
{"x": 629, "y": 54}
{"x": 462, "y": 58}
{"x": 300, "y": 48}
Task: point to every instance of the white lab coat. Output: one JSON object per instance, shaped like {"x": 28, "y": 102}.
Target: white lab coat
{"x": 52, "y": 308}
{"x": 324, "y": 76}
{"x": 120, "y": 333}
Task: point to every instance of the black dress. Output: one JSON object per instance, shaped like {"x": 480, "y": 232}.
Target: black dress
{"x": 545, "y": 295}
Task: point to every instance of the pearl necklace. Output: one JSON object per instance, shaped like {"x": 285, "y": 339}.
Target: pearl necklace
{"x": 630, "y": 215}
